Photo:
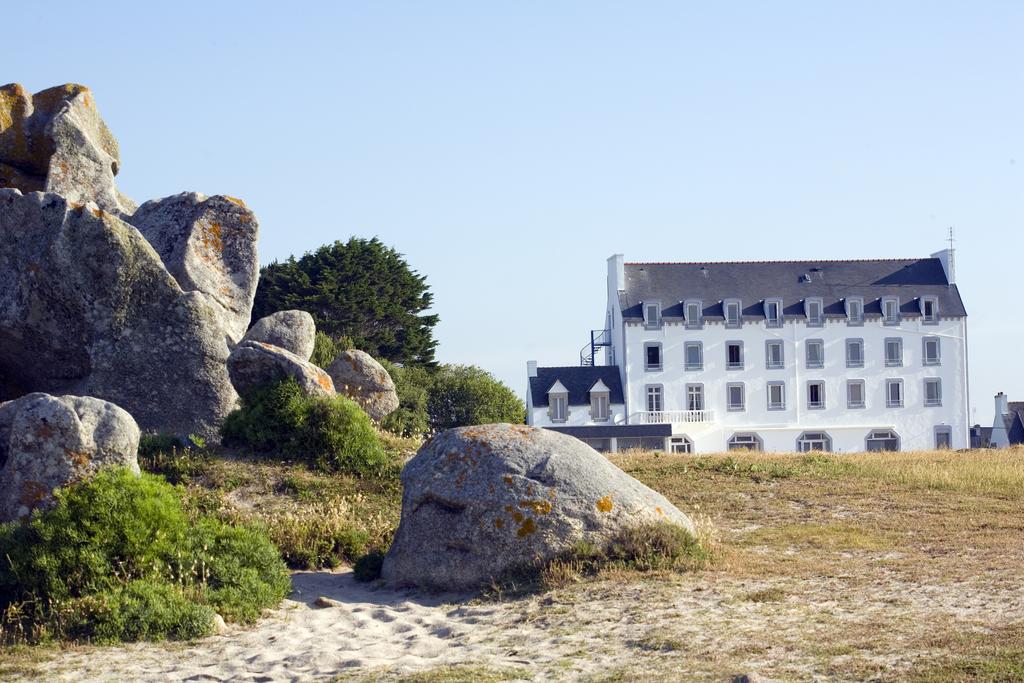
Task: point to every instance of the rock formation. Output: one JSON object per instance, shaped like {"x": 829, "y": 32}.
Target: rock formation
{"x": 253, "y": 364}
{"x": 357, "y": 375}
{"x": 293, "y": 331}
{"x": 51, "y": 441}
{"x": 91, "y": 306}
{"x": 480, "y": 501}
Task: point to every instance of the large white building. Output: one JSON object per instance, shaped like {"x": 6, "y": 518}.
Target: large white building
{"x": 779, "y": 356}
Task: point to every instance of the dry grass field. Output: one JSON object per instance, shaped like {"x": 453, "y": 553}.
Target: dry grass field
{"x": 882, "y": 567}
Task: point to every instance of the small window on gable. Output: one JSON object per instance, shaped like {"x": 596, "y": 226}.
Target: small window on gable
{"x": 558, "y": 402}
{"x": 929, "y": 310}
{"x": 773, "y": 312}
{"x": 814, "y": 312}
{"x": 891, "y": 310}
{"x": 652, "y": 314}
{"x": 600, "y": 410}
{"x": 732, "y": 313}
{"x": 854, "y": 310}
{"x": 694, "y": 317}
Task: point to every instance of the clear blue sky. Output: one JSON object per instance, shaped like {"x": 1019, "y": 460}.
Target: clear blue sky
{"x": 508, "y": 148}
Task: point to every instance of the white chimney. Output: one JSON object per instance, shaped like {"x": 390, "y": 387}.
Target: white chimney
{"x": 1000, "y": 437}
{"x": 531, "y": 368}
{"x": 947, "y": 259}
{"x": 617, "y": 272}
{"x": 1002, "y": 404}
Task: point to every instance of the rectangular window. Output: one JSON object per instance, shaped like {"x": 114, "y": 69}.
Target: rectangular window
{"x": 815, "y": 353}
{"x": 854, "y": 311}
{"x": 735, "y": 396}
{"x": 943, "y": 437}
{"x": 680, "y": 444}
{"x": 652, "y": 315}
{"x": 558, "y": 404}
{"x": 933, "y": 391}
{"x": 931, "y": 353}
{"x": 695, "y": 397}
{"x": 599, "y": 409}
{"x": 893, "y": 393}
{"x": 694, "y": 355}
{"x": 694, "y": 318}
{"x": 732, "y": 313}
{"x": 816, "y": 395}
{"x": 929, "y": 310}
{"x": 652, "y": 356}
{"x": 854, "y": 353}
{"x": 893, "y": 352}
{"x": 891, "y": 311}
{"x": 773, "y": 354}
{"x": 734, "y": 355}
{"x": 773, "y": 312}
{"x": 776, "y": 396}
{"x": 855, "y": 393}
{"x": 654, "y": 398}
{"x": 813, "y": 310}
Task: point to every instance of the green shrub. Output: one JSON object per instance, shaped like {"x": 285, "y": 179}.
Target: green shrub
{"x": 412, "y": 384}
{"x": 151, "y": 445}
{"x": 331, "y": 434}
{"x": 463, "y": 395}
{"x": 325, "y": 350}
{"x": 118, "y": 557}
{"x": 368, "y": 567}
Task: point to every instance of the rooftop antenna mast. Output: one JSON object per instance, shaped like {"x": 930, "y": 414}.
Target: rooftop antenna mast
{"x": 952, "y": 258}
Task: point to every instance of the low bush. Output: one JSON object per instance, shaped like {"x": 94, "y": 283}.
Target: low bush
{"x": 412, "y": 384}
{"x": 119, "y": 557}
{"x": 331, "y": 434}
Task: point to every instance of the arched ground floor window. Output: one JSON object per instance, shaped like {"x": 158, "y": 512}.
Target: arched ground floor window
{"x": 882, "y": 440}
{"x": 680, "y": 444}
{"x": 814, "y": 441}
{"x": 745, "y": 441}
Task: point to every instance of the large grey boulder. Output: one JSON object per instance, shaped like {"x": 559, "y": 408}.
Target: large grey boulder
{"x": 208, "y": 245}
{"x": 254, "y": 364}
{"x": 51, "y": 441}
{"x": 88, "y": 308}
{"x": 293, "y": 331}
{"x": 357, "y": 375}
{"x": 481, "y": 501}
{"x": 55, "y": 141}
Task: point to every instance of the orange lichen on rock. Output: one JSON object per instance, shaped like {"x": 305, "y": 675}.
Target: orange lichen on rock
{"x": 528, "y": 527}
{"x": 236, "y": 200}
{"x": 508, "y": 479}
{"x": 31, "y": 493}
{"x": 499, "y": 523}
{"x": 78, "y": 459}
{"x": 605, "y": 504}
{"x": 540, "y": 507}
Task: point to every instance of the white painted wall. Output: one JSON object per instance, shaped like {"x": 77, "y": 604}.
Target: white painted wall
{"x": 779, "y": 430}
{"x": 579, "y": 416}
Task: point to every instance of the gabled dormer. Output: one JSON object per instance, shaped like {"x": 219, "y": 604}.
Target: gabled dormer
{"x": 558, "y": 402}
{"x": 600, "y": 402}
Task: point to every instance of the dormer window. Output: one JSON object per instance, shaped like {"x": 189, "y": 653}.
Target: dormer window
{"x": 929, "y": 310}
{"x": 600, "y": 410}
{"x": 732, "y": 313}
{"x": 652, "y": 315}
{"x": 558, "y": 402}
{"x": 891, "y": 310}
{"x": 814, "y": 312}
{"x": 694, "y": 318}
{"x": 854, "y": 311}
{"x": 773, "y": 312}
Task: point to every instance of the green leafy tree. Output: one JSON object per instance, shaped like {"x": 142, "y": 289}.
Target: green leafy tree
{"x": 462, "y": 395}
{"x": 360, "y": 289}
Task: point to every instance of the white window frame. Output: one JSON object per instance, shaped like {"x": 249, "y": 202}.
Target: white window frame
{"x": 891, "y": 319}
{"x": 935, "y": 402}
{"x": 817, "y": 320}
{"x": 933, "y": 319}
{"x": 742, "y": 441}
{"x": 850, "y": 403}
{"x": 851, "y": 319}
{"x": 854, "y": 341}
{"x": 647, "y": 359}
{"x": 925, "y": 358}
{"x": 738, "y": 321}
{"x": 692, "y": 390}
{"x": 889, "y": 402}
{"x": 808, "y": 363}
{"x": 558, "y": 406}
{"x": 769, "y": 321}
{"x": 807, "y": 438}
{"x": 693, "y": 322}
{"x": 600, "y": 406}
{"x": 657, "y": 393}
{"x": 820, "y": 383}
{"x": 781, "y": 403}
{"x": 948, "y": 432}
{"x": 897, "y": 361}
{"x": 729, "y": 365}
{"x": 648, "y": 323}
{"x": 769, "y": 363}
{"x": 686, "y": 355}
{"x": 890, "y": 435}
{"x": 735, "y": 407}
{"x": 680, "y": 444}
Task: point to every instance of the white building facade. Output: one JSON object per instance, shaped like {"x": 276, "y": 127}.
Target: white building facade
{"x": 840, "y": 356}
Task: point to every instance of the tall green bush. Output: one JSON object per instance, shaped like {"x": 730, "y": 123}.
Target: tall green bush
{"x": 119, "y": 557}
{"x": 331, "y": 434}
{"x": 412, "y": 384}
{"x": 462, "y": 395}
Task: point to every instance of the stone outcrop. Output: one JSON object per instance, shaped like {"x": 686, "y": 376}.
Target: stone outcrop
{"x": 481, "y": 501}
{"x": 293, "y": 331}
{"x": 50, "y": 441}
{"x": 208, "y": 245}
{"x": 253, "y": 364}
{"x": 357, "y": 375}
{"x": 137, "y": 307}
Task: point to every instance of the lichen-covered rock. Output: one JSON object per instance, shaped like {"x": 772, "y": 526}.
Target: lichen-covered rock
{"x": 88, "y": 308}
{"x": 481, "y": 501}
{"x": 254, "y": 364}
{"x": 208, "y": 245}
{"x": 357, "y": 375}
{"x": 51, "y": 441}
{"x": 293, "y": 331}
{"x": 55, "y": 141}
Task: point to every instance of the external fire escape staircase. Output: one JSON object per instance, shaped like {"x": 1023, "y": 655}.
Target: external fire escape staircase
{"x": 598, "y": 338}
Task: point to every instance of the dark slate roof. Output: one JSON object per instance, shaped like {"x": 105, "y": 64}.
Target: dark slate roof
{"x": 578, "y": 381}
{"x": 793, "y": 281}
{"x": 1015, "y": 428}
{"x": 609, "y": 431}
